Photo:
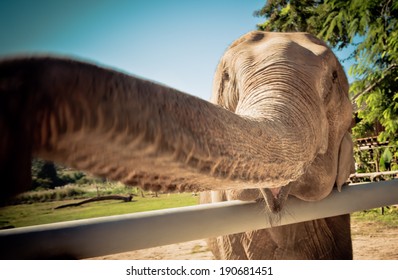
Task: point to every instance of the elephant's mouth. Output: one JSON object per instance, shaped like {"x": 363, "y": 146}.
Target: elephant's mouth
{"x": 275, "y": 198}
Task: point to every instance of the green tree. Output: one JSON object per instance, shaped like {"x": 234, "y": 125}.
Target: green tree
{"x": 288, "y": 16}
{"x": 44, "y": 174}
{"x": 371, "y": 26}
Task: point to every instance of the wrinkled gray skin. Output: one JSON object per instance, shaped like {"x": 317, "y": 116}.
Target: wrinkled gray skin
{"x": 279, "y": 127}
{"x": 261, "y": 75}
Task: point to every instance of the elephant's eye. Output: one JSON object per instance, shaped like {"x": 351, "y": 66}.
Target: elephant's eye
{"x": 329, "y": 88}
{"x": 334, "y": 74}
{"x": 225, "y": 76}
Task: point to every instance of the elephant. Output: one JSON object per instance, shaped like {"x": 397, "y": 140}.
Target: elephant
{"x": 277, "y": 126}
{"x": 249, "y": 60}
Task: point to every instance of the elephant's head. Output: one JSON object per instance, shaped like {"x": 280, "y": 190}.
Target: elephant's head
{"x": 280, "y": 126}
{"x": 295, "y": 81}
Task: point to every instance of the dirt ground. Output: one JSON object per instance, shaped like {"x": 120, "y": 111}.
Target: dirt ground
{"x": 371, "y": 241}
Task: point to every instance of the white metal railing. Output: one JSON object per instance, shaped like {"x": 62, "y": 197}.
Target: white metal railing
{"x": 115, "y": 234}
{"x": 373, "y": 175}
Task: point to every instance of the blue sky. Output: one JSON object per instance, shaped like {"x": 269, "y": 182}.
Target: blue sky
{"x": 174, "y": 42}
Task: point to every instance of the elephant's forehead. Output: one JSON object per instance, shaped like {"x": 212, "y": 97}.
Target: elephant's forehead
{"x": 294, "y": 46}
{"x": 305, "y": 40}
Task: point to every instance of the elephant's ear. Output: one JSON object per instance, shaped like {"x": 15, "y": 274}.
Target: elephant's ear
{"x": 346, "y": 164}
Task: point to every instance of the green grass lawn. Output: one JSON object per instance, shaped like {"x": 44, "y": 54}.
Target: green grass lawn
{"x": 389, "y": 219}
{"x": 44, "y": 213}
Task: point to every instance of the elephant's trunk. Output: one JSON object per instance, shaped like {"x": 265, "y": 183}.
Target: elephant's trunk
{"x": 138, "y": 132}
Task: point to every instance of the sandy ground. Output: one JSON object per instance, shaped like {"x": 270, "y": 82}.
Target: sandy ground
{"x": 371, "y": 241}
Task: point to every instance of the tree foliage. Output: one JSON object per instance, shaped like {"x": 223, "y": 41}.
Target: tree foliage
{"x": 289, "y": 16}
{"x": 44, "y": 174}
{"x": 47, "y": 175}
{"x": 371, "y": 27}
